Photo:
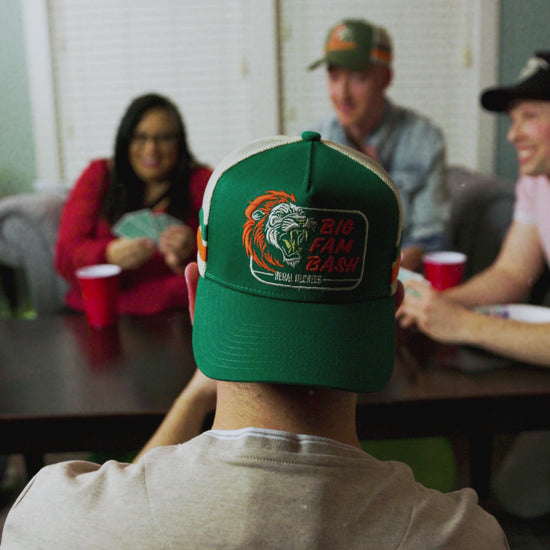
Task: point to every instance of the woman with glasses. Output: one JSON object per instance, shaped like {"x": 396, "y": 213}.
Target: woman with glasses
{"x": 153, "y": 172}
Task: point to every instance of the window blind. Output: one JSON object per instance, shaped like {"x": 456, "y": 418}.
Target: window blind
{"x": 237, "y": 69}
{"x": 106, "y": 52}
{"x": 439, "y": 62}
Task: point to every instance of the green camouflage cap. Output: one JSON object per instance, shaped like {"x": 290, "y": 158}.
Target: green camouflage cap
{"x": 356, "y": 44}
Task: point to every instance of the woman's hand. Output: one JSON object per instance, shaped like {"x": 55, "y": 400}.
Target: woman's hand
{"x": 176, "y": 245}
{"x": 129, "y": 253}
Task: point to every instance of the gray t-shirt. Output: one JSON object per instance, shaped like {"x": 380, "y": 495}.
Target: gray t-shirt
{"x": 247, "y": 488}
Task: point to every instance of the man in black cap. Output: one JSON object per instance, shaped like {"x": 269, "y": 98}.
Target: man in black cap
{"x": 523, "y": 484}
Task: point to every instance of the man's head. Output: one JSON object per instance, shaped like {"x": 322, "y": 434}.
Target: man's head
{"x": 299, "y": 247}
{"x": 527, "y": 102}
{"x": 358, "y": 57}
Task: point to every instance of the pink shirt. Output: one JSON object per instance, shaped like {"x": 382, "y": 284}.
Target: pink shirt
{"x": 531, "y": 207}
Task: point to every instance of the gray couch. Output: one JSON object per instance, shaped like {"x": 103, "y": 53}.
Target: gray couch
{"x": 481, "y": 210}
{"x": 28, "y": 229}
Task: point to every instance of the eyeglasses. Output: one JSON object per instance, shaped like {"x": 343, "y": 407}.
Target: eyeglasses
{"x": 160, "y": 140}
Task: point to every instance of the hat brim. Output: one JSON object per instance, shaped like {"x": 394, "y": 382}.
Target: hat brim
{"x": 344, "y": 62}
{"x": 499, "y": 99}
{"x": 316, "y": 64}
{"x": 247, "y": 338}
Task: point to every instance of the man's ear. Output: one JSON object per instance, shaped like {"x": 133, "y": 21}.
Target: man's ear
{"x": 191, "y": 280}
{"x": 388, "y": 77}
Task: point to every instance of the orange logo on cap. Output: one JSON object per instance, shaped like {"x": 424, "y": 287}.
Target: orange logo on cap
{"x": 275, "y": 231}
{"x": 341, "y": 38}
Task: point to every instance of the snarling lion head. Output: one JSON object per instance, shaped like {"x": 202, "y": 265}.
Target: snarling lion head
{"x": 276, "y": 230}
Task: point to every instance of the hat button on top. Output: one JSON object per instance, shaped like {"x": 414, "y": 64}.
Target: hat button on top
{"x": 311, "y": 136}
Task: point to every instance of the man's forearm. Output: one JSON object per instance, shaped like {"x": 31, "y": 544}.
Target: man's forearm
{"x": 492, "y": 286}
{"x": 185, "y": 419}
{"x": 521, "y": 341}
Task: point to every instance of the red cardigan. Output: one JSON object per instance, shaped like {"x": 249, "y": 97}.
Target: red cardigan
{"x": 83, "y": 238}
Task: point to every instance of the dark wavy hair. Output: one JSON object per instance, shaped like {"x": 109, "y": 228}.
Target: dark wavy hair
{"x": 126, "y": 192}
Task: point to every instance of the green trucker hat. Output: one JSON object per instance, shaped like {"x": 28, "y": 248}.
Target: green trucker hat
{"x": 356, "y": 44}
{"x": 299, "y": 247}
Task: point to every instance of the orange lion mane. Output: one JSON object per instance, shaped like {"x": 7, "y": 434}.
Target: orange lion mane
{"x": 253, "y": 230}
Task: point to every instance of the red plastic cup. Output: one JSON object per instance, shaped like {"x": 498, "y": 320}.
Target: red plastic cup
{"x": 444, "y": 269}
{"x": 99, "y": 285}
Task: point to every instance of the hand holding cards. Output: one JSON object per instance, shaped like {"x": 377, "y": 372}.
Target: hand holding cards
{"x": 144, "y": 223}
{"x": 176, "y": 244}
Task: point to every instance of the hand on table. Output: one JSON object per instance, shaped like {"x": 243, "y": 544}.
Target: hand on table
{"x": 176, "y": 245}
{"x": 129, "y": 253}
{"x": 431, "y": 312}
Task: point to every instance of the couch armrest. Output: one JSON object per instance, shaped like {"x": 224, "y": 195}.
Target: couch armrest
{"x": 481, "y": 212}
{"x": 28, "y": 231}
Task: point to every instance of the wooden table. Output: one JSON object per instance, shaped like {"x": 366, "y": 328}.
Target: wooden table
{"x": 66, "y": 387}
{"x": 439, "y": 390}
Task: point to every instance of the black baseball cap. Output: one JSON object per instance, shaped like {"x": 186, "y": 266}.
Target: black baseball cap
{"x": 533, "y": 83}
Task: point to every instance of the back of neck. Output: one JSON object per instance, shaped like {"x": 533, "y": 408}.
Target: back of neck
{"x": 294, "y": 409}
